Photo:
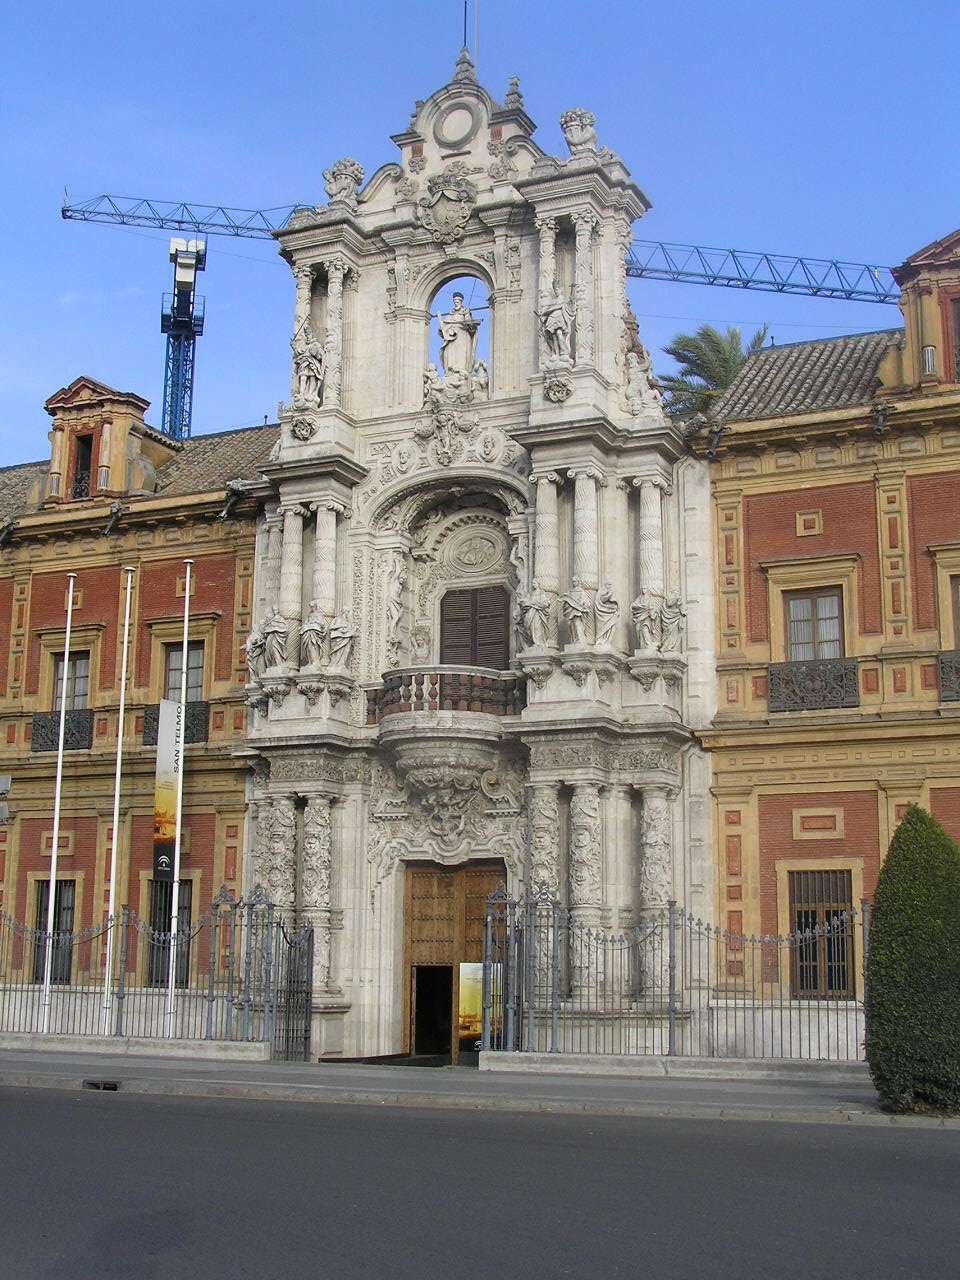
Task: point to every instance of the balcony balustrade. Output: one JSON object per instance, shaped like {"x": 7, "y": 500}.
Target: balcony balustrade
{"x": 447, "y": 688}
{"x": 948, "y": 674}
{"x": 77, "y": 731}
{"x": 825, "y": 685}
{"x": 196, "y": 724}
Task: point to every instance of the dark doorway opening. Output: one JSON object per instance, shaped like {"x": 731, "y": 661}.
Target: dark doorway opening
{"x": 433, "y": 1005}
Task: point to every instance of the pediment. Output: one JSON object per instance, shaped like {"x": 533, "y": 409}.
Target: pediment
{"x": 941, "y": 253}
{"x": 87, "y": 392}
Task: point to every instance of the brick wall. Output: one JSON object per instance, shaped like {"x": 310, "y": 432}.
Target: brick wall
{"x": 202, "y": 828}
{"x": 945, "y": 807}
{"x": 849, "y": 526}
{"x": 100, "y": 590}
{"x": 933, "y": 515}
{"x": 6, "y": 627}
{"x": 80, "y": 834}
{"x": 213, "y": 591}
{"x": 861, "y": 839}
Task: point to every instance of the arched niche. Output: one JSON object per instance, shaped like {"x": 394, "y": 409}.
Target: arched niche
{"x": 459, "y": 341}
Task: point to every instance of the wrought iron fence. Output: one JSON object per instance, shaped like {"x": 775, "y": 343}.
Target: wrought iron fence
{"x": 239, "y": 975}
{"x": 672, "y": 986}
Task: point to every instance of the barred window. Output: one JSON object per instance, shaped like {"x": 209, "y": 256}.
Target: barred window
{"x": 63, "y": 908}
{"x": 158, "y": 955}
{"x": 78, "y": 679}
{"x": 474, "y": 628}
{"x": 814, "y": 625}
{"x": 821, "y": 921}
{"x": 174, "y": 667}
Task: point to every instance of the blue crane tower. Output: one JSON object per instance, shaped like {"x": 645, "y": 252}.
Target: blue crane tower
{"x": 182, "y": 321}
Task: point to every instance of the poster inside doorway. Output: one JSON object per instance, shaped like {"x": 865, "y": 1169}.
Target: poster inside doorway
{"x": 470, "y": 1020}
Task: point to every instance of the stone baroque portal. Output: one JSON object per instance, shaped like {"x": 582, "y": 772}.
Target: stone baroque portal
{"x": 483, "y": 627}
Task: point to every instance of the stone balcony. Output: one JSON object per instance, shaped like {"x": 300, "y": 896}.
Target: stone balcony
{"x": 476, "y": 690}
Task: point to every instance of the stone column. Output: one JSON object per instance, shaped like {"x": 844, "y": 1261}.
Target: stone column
{"x": 333, "y": 340}
{"x": 325, "y": 555}
{"x": 291, "y": 578}
{"x": 316, "y": 869}
{"x": 656, "y": 887}
{"x": 585, "y": 223}
{"x": 270, "y": 587}
{"x": 585, "y": 560}
{"x": 617, "y": 553}
{"x": 301, "y": 313}
{"x": 650, "y": 548}
{"x": 548, "y": 266}
{"x": 586, "y": 959}
{"x": 546, "y": 552}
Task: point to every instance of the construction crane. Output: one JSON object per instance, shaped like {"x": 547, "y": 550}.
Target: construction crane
{"x": 182, "y": 319}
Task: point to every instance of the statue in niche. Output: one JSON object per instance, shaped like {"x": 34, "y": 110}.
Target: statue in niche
{"x": 645, "y": 612}
{"x": 342, "y": 635}
{"x": 308, "y": 364}
{"x": 313, "y": 633}
{"x": 671, "y": 623}
{"x": 396, "y": 579}
{"x": 575, "y": 606}
{"x": 606, "y": 612}
{"x": 533, "y": 616}
{"x": 254, "y": 652}
{"x": 458, "y": 341}
{"x": 556, "y": 318}
{"x": 275, "y": 638}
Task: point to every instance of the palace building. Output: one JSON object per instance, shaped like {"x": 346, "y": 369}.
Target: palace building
{"x": 835, "y": 478}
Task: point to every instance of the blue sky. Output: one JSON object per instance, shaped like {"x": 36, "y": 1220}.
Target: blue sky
{"x": 826, "y": 129}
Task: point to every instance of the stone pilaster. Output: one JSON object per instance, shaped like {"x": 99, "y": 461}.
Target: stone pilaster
{"x": 656, "y": 884}
{"x": 585, "y": 876}
{"x": 325, "y": 555}
{"x": 270, "y": 591}
{"x": 547, "y": 228}
{"x": 315, "y": 883}
{"x": 333, "y": 340}
{"x": 585, "y": 223}
{"x": 544, "y": 817}
{"x": 291, "y": 578}
{"x": 275, "y": 851}
{"x": 546, "y": 556}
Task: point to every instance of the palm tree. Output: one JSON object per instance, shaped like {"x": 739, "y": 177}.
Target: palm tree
{"x": 709, "y": 361}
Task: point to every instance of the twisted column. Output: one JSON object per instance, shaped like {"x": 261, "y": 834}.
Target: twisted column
{"x": 546, "y": 552}
{"x": 291, "y": 578}
{"x": 585, "y": 223}
{"x": 315, "y": 881}
{"x": 585, "y": 561}
{"x": 273, "y": 523}
{"x": 333, "y": 341}
{"x": 650, "y": 546}
{"x": 547, "y": 228}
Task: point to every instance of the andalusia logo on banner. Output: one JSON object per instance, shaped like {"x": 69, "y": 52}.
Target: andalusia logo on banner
{"x": 169, "y": 735}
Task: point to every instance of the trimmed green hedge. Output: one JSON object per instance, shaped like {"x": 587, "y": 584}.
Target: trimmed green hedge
{"x": 913, "y": 970}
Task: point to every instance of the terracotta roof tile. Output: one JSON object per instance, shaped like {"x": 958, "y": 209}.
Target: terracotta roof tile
{"x": 209, "y": 462}
{"x": 803, "y": 377}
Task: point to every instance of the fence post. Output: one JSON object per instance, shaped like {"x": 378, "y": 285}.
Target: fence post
{"x": 554, "y": 975}
{"x": 125, "y": 914}
{"x": 672, "y": 975}
{"x": 530, "y": 928}
{"x": 271, "y": 974}
{"x": 214, "y": 925}
{"x": 486, "y": 995}
{"x": 247, "y": 962}
{"x": 865, "y": 929}
{"x": 510, "y": 957}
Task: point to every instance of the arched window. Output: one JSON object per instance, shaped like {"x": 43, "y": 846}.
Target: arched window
{"x": 475, "y": 628}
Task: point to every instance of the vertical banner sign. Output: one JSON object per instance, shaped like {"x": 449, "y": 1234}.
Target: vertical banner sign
{"x": 169, "y": 738}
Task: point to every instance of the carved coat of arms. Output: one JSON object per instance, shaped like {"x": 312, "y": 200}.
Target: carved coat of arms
{"x": 445, "y": 209}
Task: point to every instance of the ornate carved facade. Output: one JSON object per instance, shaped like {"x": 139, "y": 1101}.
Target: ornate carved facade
{"x": 474, "y": 498}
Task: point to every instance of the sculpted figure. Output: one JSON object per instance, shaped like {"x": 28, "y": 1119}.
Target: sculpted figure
{"x": 275, "y": 638}
{"x": 556, "y": 317}
{"x": 671, "y": 623}
{"x": 458, "y": 340}
{"x": 481, "y": 379}
{"x": 645, "y": 612}
{"x": 577, "y": 125}
{"x": 313, "y": 633}
{"x": 307, "y": 364}
{"x": 534, "y": 616}
{"x": 575, "y": 606}
{"x": 395, "y": 583}
{"x": 254, "y": 652}
{"x": 641, "y": 390}
{"x": 342, "y": 635}
{"x": 606, "y": 612}
{"x": 432, "y": 386}
{"x": 343, "y": 179}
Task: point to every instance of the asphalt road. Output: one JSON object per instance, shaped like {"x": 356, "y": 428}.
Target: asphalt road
{"x": 114, "y": 1185}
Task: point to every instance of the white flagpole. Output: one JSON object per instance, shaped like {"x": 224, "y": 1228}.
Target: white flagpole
{"x": 51, "y": 901}
{"x": 175, "y": 895}
{"x": 112, "y": 902}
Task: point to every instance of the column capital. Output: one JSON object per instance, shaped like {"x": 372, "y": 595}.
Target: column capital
{"x": 585, "y": 220}
{"x": 591, "y": 473}
{"x": 328, "y": 504}
{"x": 554, "y": 477}
{"x": 292, "y": 509}
{"x": 546, "y": 223}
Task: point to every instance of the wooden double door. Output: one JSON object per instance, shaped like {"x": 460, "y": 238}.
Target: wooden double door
{"x": 444, "y": 910}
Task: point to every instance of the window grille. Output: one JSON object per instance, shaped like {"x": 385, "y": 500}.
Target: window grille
{"x": 821, "y": 905}
{"x": 63, "y": 908}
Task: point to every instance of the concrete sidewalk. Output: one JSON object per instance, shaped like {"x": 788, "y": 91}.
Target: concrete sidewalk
{"x": 792, "y": 1092}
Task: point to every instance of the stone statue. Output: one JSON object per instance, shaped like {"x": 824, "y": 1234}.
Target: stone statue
{"x": 481, "y": 380}
{"x": 343, "y": 179}
{"x": 533, "y": 616}
{"x": 642, "y": 392}
{"x": 575, "y": 606}
{"x": 307, "y": 365}
{"x": 313, "y": 633}
{"x": 577, "y": 125}
{"x": 671, "y": 623}
{"x": 458, "y": 340}
{"x": 254, "y": 652}
{"x": 556, "y": 317}
{"x": 274, "y": 638}
{"x": 432, "y": 386}
{"x": 645, "y": 612}
{"x": 342, "y": 635}
{"x": 606, "y": 612}
{"x": 396, "y": 579}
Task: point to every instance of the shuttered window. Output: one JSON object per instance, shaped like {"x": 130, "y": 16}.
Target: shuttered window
{"x": 814, "y": 629}
{"x": 474, "y": 628}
